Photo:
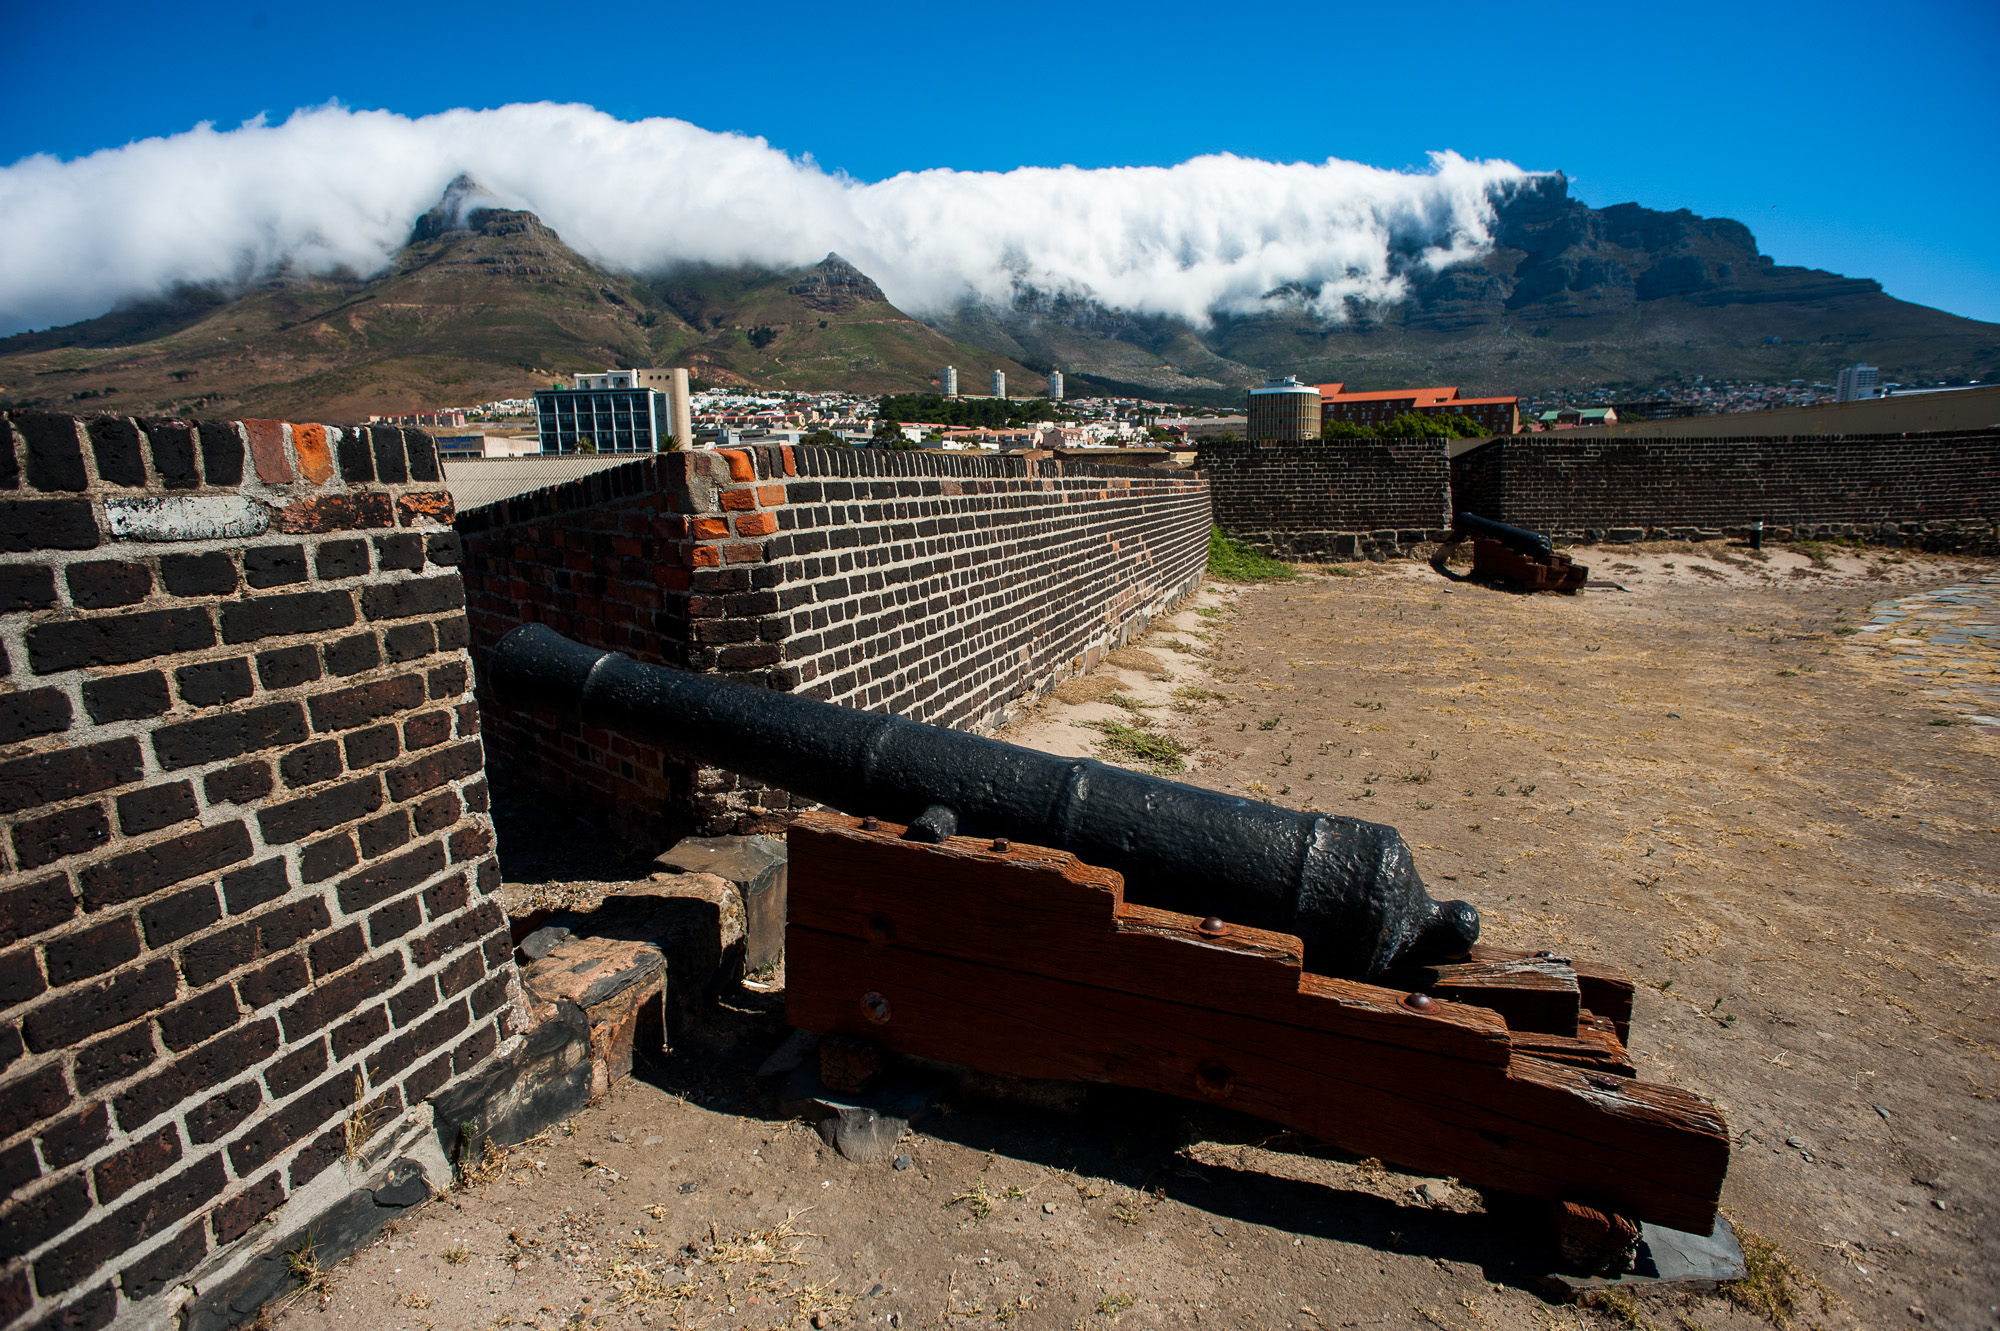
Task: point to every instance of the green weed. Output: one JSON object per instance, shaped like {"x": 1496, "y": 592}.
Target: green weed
{"x": 1134, "y": 744}
{"x": 1232, "y": 561}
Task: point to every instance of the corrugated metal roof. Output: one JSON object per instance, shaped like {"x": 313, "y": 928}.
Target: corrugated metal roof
{"x": 477, "y": 481}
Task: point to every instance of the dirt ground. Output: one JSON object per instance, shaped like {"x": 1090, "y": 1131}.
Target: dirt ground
{"x": 1784, "y": 831}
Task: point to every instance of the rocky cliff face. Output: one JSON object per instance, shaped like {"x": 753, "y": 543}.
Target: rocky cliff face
{"x": 1569, "y": 296}
{"x": 835, "y": 286}
{"x": 1553, "y": 256}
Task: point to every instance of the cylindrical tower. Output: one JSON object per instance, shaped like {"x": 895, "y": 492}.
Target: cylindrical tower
{"x": 1282, "y": 411}
{"x": 681, "y": 404}
{"x": 999, "y": 383}
{"x": 1055, "y": 386}
{"x": 950, "y": 381}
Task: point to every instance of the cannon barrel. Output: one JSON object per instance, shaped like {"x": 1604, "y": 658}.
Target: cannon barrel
{"x": 1346, "y": 888}
{"x": 1532, "y": 544}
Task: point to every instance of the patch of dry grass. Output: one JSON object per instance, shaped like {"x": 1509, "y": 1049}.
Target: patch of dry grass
{"x": 1774, "y": 1287}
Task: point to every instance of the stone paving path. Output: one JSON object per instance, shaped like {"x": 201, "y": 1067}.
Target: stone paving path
{"x": 1947, "y": 640}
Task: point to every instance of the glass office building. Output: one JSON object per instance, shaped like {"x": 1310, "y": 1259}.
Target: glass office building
{"x": 602, "y": 420}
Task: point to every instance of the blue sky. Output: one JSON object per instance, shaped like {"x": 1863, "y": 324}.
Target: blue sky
{"x": 1862, "y": 139}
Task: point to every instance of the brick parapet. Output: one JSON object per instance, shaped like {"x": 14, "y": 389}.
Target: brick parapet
{"x": 245, "y": 858}
{"x": 939, "y": 587}
{"x": 1937, "y": 490}
{"x": 1347, "y": 498}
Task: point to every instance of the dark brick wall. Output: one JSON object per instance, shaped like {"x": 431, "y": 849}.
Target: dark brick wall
{"x": 1358, "y": 498}
{"x": 1939, "y": 490}
{"x": 243, "y": 842}
{"x": 936, "y": 587}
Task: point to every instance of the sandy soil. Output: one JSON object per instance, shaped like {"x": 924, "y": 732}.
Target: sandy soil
{"x": 1699, "y": 779}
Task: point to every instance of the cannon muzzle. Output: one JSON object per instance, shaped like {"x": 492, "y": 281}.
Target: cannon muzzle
{"x": 1346, "y": 888}
{"x": 1518, "y": 539}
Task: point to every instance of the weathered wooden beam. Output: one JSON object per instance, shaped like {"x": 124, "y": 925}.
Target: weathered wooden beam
{"x": 1534, "y": 993}
{"x": 1025, "y": 962}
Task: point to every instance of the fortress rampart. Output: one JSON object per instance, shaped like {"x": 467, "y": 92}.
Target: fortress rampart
{"x": 1937, "y": 491}
{"x": 253, "y": 978}
{"x": 1381, "y": 498}
{"x": 947, "y": 589}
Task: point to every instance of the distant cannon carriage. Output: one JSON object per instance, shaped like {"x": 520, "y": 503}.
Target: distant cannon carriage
{"x": 1511, "y": 554}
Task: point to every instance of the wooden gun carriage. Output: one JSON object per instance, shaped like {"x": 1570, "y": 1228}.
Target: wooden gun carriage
{"x": 1036, "y": 916}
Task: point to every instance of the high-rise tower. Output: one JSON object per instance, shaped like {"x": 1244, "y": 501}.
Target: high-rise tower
{"x": 1856, "y": 382}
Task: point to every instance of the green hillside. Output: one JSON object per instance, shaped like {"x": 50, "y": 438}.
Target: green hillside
{"x": 827, "y": 326}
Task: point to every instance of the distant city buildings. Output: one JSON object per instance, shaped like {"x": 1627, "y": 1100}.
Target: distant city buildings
{"x": 1698, "y": 396}
{"x": 485, "y": 446}
{"x": 950, "y": 381}
{"x": 1193, "y": 428}
{"x": 616, "y": 411}
{"x": 1055, "y": 386}
{"x": 1283, "y": 411}
{"x": 602, "y": 420}
{"x": 1857, "y": 382}
{"x": 655, "y": 379}
{"x": 453, "y": 419}
{"x": 1495, "y": 415}
{"x": 1575, "y": 418}
{"x": 999, "y": 383}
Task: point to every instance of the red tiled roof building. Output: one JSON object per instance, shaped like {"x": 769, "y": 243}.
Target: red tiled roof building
{"x": 1496, "y": 415}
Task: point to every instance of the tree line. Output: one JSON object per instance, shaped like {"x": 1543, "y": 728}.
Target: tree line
{"x": 1409, "y": 425}
{"x": 965, "y": 412}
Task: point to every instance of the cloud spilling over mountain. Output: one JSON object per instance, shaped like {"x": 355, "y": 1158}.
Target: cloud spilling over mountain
{"x": 331, "y": 190}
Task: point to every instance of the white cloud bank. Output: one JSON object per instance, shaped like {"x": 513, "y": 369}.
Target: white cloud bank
{"x": 332, "y": 188}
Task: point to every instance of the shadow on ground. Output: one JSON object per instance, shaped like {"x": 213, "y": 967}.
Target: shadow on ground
{"x": 1156, "y": 1145}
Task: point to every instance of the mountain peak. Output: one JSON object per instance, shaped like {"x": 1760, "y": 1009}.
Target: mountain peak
{"x": 452, "y": 212}
{"x": 835, "y": 286}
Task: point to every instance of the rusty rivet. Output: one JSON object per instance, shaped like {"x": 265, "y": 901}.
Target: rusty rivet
{"x": 875, "y": 1007}
{"x": 871, "y": 824}
{"x": 880, "y": 928}
{"x": 1419, "y": 1002}
{"x": 1213, "y": 926}
{"x": 1001, "y": 845}
{"x": 1214, "y": 1080}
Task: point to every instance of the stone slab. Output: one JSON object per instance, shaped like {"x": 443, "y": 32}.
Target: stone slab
{"x": 545, "y": 1081}
{"x": 334, "y": 1235}
{"x": 756, "y": 867}
{"x": 590, "y": 970}
{"x": 1667, "y": 1259}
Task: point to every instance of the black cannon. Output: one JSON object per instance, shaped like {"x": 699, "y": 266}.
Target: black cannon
{"x": 1346, "y": 888}
{"x": 1518, "y": 539}
{"x": 1513, "y": 555}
